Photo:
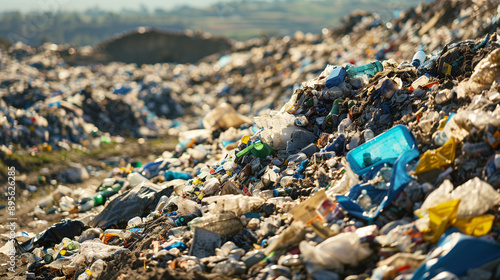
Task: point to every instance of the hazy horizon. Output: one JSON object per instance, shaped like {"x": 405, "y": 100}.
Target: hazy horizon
{"x": 26, "y": 6}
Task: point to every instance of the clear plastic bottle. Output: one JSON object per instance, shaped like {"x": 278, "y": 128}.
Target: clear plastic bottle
{"x": 85, "y": 275}
{"x": 135, "y": 179}
{"x": 86, "y": 206}
{"x": 419, "y": 57}
{"x": 344, "y": 124}
{"x": 266, "y": 194}
{"x": 364, "y": 200}
{"x": 134, "y": 222}
{"x": 443, "y": 96}
{"x": 368, "y": 134}
{"x": 161, "y": 203}
{"x": 97, "y": 268}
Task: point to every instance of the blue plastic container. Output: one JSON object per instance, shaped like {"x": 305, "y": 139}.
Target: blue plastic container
{"x": 172, "y": 175}
{"x": 385, "y": 148}
{"x": 336, "y": 77}
{"x": 397, "y": 146}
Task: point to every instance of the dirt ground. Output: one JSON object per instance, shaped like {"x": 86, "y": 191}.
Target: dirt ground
{"x": 26, "y": 201}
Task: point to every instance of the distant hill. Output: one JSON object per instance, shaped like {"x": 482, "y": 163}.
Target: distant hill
{"x": 4, "y": 44}
{"x": 157, "y": 46}
{"x": 238, "y": 19}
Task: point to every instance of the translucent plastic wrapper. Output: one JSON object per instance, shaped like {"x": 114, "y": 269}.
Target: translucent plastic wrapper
{"x": 485, "y": 73}
{"x": 478, "y": 119}
{"x": 67, "y": 265}
{"x": 326, "y": 72}
{"x": 93, "y": 251}
{"x": 278, "y": 129}
{"x": 186, "y": 206}
{"x": 223, "y": 117}
{"x": 476, "y": 196}
{"x": 401, "y": 259}
{"x": 292, "y": 235}
{"x": 343, "y": 185}
{"x": 333, "y": 253}
{"x": 223, "y": 224}
{"x": 237, "y": 204}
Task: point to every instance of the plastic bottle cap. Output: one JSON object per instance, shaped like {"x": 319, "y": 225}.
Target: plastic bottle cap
{"x": 245, "y": 139}
{"x": 276, "y": 193}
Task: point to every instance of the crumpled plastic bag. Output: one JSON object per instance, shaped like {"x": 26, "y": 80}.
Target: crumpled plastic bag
{"x": 93, "y": 251}
{"x": 435, "y": 159}
{"x": 223, "y": 117}
{"x": 186, "y": 206}
{"x": 277, "y": 129}
{"x": 475, "y": 119}
{"x": 237, "y": 204}
{"x": 333, "y": 253}
{"x": 476, "y": 196}
{"x": 294, "y": 234}
{"x": 485, "y": 73}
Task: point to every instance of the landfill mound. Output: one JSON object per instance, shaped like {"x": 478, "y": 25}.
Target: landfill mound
{"x": 155, "y": 46}
{"x": 306, "y": 158}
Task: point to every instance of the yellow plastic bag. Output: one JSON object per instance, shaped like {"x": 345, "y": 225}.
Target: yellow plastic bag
{"x": 437, "y": 158}
{"x": 477, "y": 226}
{"x": 441, "y": 218}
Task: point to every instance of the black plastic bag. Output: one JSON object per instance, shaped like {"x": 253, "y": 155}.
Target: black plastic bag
{"x": 54, "y": 235}
{"x": 135, "y": 202}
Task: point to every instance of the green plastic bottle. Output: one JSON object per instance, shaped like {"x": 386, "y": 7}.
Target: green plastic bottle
{"x": 262, "y": 150}
{"x": 245, "y": 151}
{"x": 334, "y": 111}
{"x": 369, "y": 69}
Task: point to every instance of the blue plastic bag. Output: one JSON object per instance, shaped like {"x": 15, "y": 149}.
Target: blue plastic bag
{"x": 457, "y": 253}
{"x": 396, "y": 146}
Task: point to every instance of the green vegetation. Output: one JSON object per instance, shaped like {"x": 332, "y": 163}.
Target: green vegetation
{"x": 240, "y": 19}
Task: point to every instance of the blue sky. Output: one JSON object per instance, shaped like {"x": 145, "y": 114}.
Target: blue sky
{"x": 113, "y": 5}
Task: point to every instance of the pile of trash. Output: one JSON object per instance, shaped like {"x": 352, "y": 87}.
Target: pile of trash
{"x": 257, "y": 76}
{"x": 384, "y": 170}
{"x": 303, "y": 165}
{"x": 48, "y": 104}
